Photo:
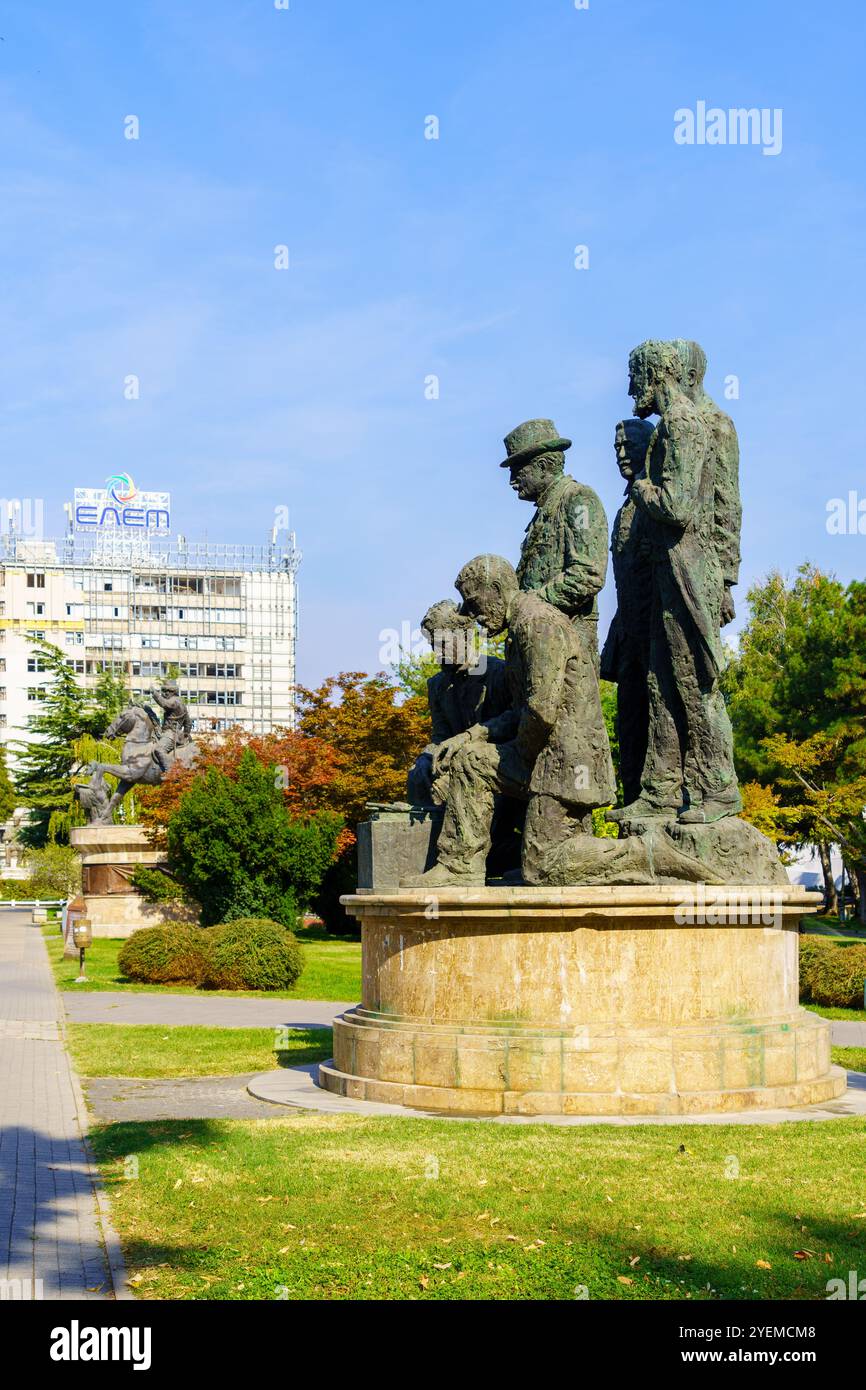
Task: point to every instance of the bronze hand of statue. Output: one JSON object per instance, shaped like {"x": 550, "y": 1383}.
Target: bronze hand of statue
{"x": 445, "y": 751}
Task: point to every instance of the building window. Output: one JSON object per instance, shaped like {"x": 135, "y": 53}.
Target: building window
{"x": 36, "y": 581}
{"x": 36, "y": 692}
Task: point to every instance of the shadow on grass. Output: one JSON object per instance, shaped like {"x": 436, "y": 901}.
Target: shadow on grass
{"x": 803, "y": 1247}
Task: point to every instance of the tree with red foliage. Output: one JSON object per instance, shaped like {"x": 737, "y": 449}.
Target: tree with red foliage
{"x": 304, "y": 768}
{"x": 376, "y": 740}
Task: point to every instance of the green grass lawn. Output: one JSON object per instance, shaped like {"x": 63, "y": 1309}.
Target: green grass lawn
{"x": 332, "y": 970}
{"x": 830, "y": 926}
{"x": 108, "y": 1049}
{"x": 851, "y": 1058}
{"x": 849, "y": 1015}
{"x": 346, "y": 1207}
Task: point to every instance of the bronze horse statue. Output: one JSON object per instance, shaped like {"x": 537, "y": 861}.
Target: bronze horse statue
{"x": 144, "y": 761}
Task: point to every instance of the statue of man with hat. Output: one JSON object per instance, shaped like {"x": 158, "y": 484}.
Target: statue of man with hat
{"x": 564, "y": 553}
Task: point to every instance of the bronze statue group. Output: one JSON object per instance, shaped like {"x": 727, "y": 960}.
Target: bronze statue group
{"x": 523, "y": 739}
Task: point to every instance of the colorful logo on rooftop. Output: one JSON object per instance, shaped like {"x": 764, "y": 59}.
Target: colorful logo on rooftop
{"x": 121, "y": 488}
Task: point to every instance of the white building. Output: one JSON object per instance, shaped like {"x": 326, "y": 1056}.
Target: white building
{"x": 143, "y": 604}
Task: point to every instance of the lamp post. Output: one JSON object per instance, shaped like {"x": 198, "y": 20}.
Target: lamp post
{"x": 82, "y": 935}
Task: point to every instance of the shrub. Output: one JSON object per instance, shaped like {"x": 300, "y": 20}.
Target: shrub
{"x": 174, "y": 953}
{"x": 235, "y": 849}
{"x": 832, "y": 974}
{"x": 252, "y": 953}
{"x": 811, "y": 948}
{"x": 156, "y": 885}
{"x": 259, "y": 899}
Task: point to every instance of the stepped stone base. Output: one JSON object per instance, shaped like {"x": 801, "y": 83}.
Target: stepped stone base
{"x": 591, "y": 1001}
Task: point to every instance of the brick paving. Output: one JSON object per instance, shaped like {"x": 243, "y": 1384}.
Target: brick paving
{"x": 51, "y": 1232}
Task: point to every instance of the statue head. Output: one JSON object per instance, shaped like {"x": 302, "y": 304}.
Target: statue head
{"x": 535, "y": 456}
{"x": 487, "y": 584}
{"x": 693, "y": 367}
{"x": 450, "y": 633}
{"x": 630, "y": 441}
{"x": 654, "y": 372}
{"x": 170, "y": 687}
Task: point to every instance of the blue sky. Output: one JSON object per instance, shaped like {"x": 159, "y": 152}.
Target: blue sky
{"x": 410, "y": 257}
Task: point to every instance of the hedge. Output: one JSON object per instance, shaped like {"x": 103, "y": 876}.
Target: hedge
{"x": 174, "y": 953}
{"x": 251, "y": 953}
{"x": 832, "y": 973}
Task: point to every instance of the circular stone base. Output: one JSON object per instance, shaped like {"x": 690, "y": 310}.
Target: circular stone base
{"x": 600, "y": 1001}
{"x": 297, "y": 1088}
{"x": 587, "y": 1071}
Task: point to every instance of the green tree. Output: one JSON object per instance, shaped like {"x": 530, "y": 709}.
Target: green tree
{"x": 110, "y": 696}
{"x": 234, "y": 847}
{"x": 55, "y": 871}
{"x": 67, "y": 726}
{"x": 44, "y": 764}
{"x": 796, "y": 692}
{"x": 8, "y": 797}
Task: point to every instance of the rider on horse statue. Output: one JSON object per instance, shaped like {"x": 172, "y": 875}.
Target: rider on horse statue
{"x": 149, "y": 750}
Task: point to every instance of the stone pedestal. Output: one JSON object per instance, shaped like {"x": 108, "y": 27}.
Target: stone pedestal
{"x": 583, "y": 1001}
{"x": 395, "y": 844}
{"x": 109, "y": 856}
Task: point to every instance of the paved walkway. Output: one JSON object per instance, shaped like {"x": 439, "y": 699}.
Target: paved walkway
{"x": 115, "y": 1099}
{"x": 847, "y": 1032}
{"x": 208, "y": 1011}
{"x": 50, "y": 1205}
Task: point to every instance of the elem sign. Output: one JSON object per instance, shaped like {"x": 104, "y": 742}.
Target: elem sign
{"x": 120, "y": 506}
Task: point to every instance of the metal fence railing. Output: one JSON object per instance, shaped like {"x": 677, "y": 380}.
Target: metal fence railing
{"x": 20, "y": 903}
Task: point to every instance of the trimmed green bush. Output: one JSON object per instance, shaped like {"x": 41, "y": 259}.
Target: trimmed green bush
{"x": 238, "y": 852}
{"x": 172, "y": 954}
{"x": 832, "y": 973}
{"x": 252, "y": 953}
{"x": 811, "y": 947}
